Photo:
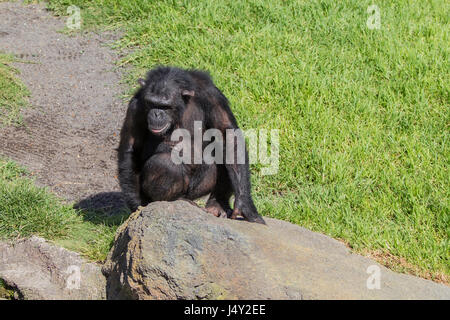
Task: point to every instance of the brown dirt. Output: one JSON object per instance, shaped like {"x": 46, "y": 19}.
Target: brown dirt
{"x": 400, "y": 264}
{"x": 70, "y": 132}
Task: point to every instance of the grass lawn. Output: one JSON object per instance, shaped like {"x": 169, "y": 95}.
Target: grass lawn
{"x": 12, "y": 93}
{"x": 26, "y": 210}
{"x": 363, "y": 114}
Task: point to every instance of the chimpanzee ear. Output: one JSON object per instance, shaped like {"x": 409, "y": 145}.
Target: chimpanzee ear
{"x": 187, "y": 93}
{"x": 141, "y": 82}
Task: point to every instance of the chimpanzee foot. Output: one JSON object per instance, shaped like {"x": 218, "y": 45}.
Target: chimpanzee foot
{"x": 217, "y": 210}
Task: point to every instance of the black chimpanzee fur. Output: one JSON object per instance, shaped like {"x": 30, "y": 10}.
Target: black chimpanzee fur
{"x": 171, "y": 98}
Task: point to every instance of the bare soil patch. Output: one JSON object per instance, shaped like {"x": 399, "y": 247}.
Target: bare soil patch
{"x": 69, "y": 134}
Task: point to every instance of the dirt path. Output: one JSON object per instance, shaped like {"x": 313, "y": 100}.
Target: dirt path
{"x": 70, "y": 133}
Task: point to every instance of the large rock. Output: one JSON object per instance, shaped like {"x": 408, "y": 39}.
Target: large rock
{"x": 36, "y": 269}
{"x": 173, "y": 250}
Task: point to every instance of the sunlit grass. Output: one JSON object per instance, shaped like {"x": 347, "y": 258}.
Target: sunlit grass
{"x": 12, "y": 92}
{"x": 26, "y": 210}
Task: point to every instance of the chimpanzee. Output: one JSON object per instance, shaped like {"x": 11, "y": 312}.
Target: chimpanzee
{"x": 168, "y": 99}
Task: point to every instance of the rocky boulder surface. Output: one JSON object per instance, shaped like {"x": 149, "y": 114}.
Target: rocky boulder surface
{"x": 36, "y": 270}
{"x": 173, "y": 250}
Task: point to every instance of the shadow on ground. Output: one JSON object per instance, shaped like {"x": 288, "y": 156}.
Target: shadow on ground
{"x": 103, "y": 207}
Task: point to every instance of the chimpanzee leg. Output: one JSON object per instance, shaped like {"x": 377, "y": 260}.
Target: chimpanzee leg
{"x": 219, "y": 200}
{"x": 162, "y": 180}
{"x": 202, "y": 181}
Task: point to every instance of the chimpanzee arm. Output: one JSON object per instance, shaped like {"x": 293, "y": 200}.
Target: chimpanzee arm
{"x": 238, "y": 168}
{"x": 128, "y": 149}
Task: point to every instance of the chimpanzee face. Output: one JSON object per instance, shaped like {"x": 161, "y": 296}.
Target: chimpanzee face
{"x": 164, "y": 104}
{"x": 159, "y": 120}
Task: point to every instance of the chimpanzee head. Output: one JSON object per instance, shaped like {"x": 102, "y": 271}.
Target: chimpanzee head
{"x": 165, "y": 93}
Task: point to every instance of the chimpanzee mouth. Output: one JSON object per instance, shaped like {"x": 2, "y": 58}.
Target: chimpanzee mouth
{"x": 161, "y": 130}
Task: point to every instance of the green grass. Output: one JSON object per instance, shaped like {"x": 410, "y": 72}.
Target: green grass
{"x": 12, "y": 92}
{"x": 26, "y": 210}
{"x": 5, "y": 292}
{"x": 363, "y": 114}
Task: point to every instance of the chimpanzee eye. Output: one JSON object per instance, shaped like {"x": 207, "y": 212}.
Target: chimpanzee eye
{"x": 148, "y": 105}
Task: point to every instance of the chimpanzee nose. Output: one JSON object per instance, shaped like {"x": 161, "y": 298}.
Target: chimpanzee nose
{"x": 157, "y": 114}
